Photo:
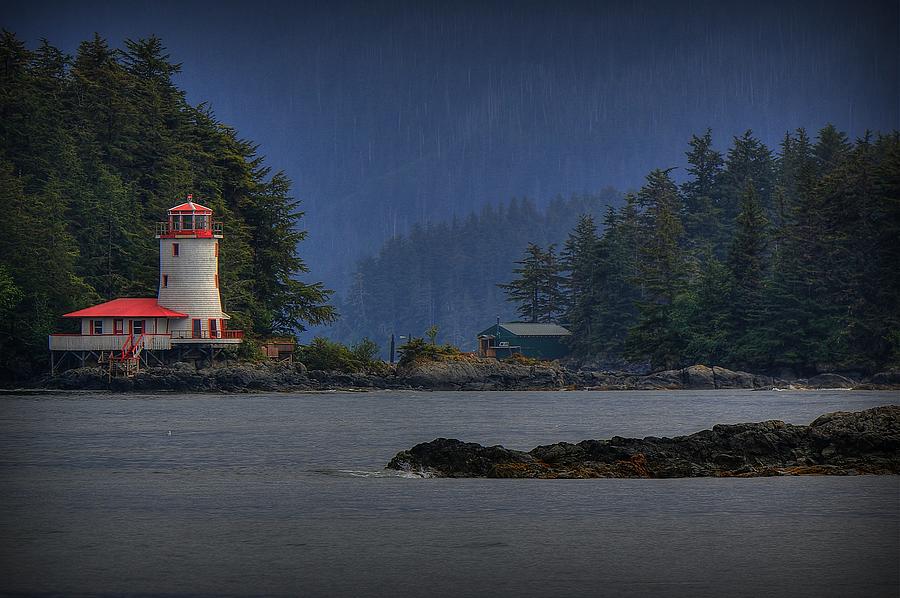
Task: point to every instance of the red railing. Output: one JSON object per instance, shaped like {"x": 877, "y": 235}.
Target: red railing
{"x": 165, "y": 229}
{"x": 184, "y": 334}
{"x": 108, "y": 334}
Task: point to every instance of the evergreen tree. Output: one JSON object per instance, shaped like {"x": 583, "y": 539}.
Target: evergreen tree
{"x": 702, "y": 212}
{"x": 748, "y": 161}
{"x": 580, "y": 258}
{"x": 538, "y": 289}
{"x": 615, "y": 310}
{"x": 831, "y": 149}
{"x": 702, "y": 313}
{"x": 660, "y": 267}
{"x": 747, "y": 263}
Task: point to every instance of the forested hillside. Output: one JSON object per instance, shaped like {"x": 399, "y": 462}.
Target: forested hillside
{"x": 760, "y": 260}
{"x": 93, "y": 150}
{"x": 446, "y": 274}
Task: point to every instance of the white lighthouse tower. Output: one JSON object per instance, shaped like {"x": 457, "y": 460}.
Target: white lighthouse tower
{"x": 189, "y": 271}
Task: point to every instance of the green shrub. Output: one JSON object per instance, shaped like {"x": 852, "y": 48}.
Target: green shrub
{"x": 323, "y": 354}
{"x": 418, "y": 349}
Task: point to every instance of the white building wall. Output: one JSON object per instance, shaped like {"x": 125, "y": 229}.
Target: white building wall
{"x": 151, "y": 325}
{"x": 191, "y": 281}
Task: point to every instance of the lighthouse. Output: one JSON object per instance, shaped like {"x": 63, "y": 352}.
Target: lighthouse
{"x": 189, "y": 271}
{"x": 184, "y": 321}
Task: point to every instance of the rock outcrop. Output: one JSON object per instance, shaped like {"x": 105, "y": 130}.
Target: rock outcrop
{"x": 464, "y": 373}
{"x": 842, "y": 443}
{"x": 184, "y": 377}
{"x": 695, "y": 377}
{"x": 483, "y": 374}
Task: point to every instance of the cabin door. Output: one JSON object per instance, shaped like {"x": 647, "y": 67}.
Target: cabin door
{"x": 197, "y": 330}
{"x": 213, "y": 328}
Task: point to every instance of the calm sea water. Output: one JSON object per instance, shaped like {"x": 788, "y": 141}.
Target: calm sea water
{"x": 285, "y": 495}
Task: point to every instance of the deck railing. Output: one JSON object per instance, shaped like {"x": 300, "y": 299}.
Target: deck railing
{"x": 106, "y": 342}
{"x": 206, "y": 334}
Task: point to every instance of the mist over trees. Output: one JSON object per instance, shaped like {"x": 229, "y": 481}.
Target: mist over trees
{"x": 760, "y": 260}
{"x": 447, "y": 273}
{"x": 756, "y": 259}
{"x": 93, "y": 150}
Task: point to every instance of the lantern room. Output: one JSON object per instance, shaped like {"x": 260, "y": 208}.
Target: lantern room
{"x": 189, "y": 220}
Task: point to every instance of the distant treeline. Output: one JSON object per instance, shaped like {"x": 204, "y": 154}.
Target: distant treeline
{"x": 758, "y": 261}
{"x": 446, "y": 274}
{"x": 93, "y": 151}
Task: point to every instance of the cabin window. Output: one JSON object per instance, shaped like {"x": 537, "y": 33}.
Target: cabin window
{"x": 97, "y": 327}
{"x": 118, "y": 326}
{"x": 174, "y": 249}
{"x": 165, "y": 280}
{"x": 197, "y": 330}
{"x": 137, "y": 327}
{"x": 213, "y": 328}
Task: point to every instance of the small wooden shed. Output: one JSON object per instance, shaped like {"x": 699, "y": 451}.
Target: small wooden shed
{"x": 280, "y": 349}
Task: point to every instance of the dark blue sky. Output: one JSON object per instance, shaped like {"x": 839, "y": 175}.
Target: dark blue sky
{"x": 385, "y": 114}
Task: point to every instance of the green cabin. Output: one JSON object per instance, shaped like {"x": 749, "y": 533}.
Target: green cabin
{"x": 537, "y": 340}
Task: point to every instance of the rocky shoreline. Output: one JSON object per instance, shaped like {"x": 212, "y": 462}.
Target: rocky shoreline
{"x": 842, "y": 443}
{"x": 471, "y": 374}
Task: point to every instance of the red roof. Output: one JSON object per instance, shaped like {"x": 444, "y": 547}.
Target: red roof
{"x": 191, "y": 207}
{"x": 126, "y": 308}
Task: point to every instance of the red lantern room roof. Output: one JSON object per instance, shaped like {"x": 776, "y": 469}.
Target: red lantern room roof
{"x": 190, "y": 206}
{"x": 126, "y": 308}
{"x": 189, "y": 220}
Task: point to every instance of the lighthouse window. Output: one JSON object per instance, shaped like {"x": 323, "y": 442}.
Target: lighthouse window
{"x": 165, "y": 280}
{"x": 175, "y": 249}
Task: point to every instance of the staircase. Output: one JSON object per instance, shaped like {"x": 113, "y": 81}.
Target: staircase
{"x": 126, "y": 362}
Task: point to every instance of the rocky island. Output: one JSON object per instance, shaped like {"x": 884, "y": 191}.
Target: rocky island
{"x": 841, "y": 443}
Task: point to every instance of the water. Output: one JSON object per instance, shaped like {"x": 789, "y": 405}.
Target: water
{"x": 285, "y": 495}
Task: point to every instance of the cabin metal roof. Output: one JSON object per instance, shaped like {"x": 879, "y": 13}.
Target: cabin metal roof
{"x": 126, "y": 308}
{"x": 535, "y": 329}
{"x": 529, "y": 329}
